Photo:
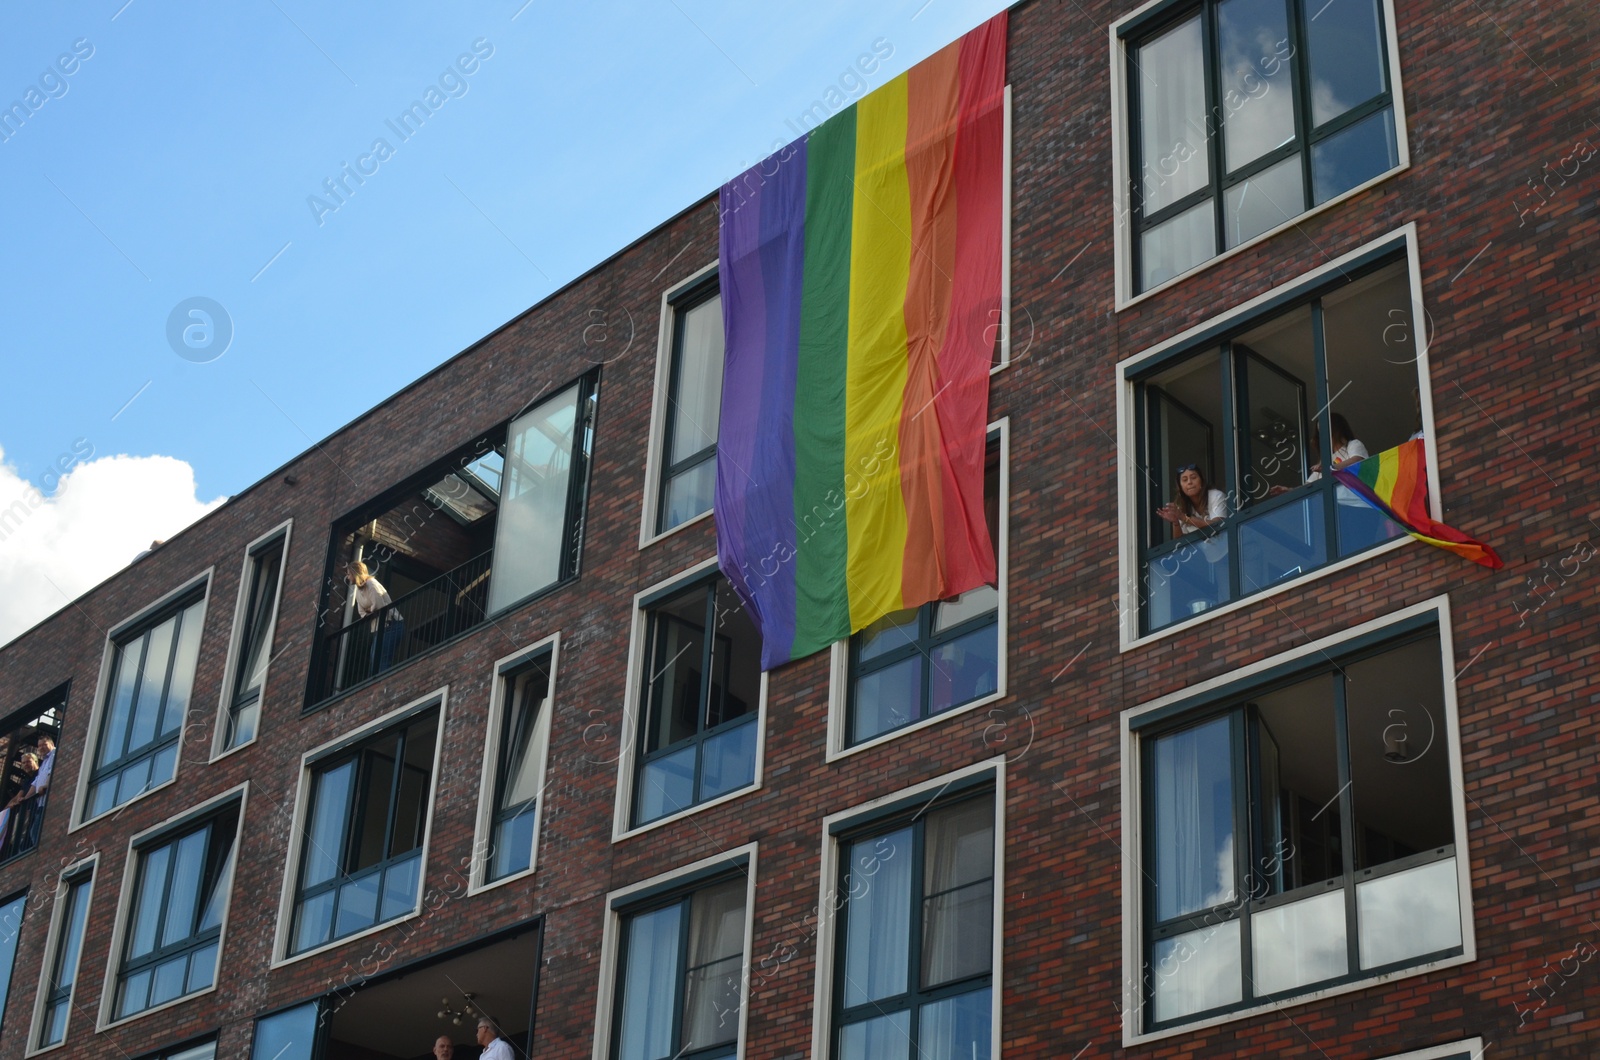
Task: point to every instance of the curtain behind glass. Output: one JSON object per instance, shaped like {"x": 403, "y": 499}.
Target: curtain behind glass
{"x": 533, "y": 503}
{"x": 958, "y": 879}
{"x": 648, "y": 985}
{"x": 879, "y": 917}
{"x": 1193, "y": 794}
{"x": 716, "y": 957}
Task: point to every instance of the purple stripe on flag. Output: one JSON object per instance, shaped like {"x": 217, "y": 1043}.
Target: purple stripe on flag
{"x": 762, "y": 254}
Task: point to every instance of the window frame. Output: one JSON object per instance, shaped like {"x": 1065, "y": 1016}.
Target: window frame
{"x": 9, "y": 982}
{"x": 547, "y": 650}
{"x": 81, "y": 873}
{"x": 438, "y": 699}
{"x": 172, "y": 829}
{"x": 674, "y": 884}
{"x": 1258, "y": 310}
{"x": 227, "y": 702}
{"x": 841, "y": 690}
{"x": 689, "y": 291}
{"x": 183, "y": 1048}
{"x": 1148, "y": 21}
{"x": 635, "y": 690}
{"x": 129, "y": 627}
{"x": 1208, "y": 699}
{"x": 843, "y": 826}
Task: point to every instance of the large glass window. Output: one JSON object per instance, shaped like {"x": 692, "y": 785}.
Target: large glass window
{"x": 1246, "y": 113}
{"x": 541, "y": 503}
{"x": 917, "y": 663}
{"x": 681, "y": 974}
{"x": 72, "y": 915}
{"x": 693, "y": 407}
{"x": 916, "y": 933}
{"x": 147, "y": 699}
{"x": 174, "y": 925}
{"x": 361, "y": 857}
{"x": 1234, "y": 495}
{"x": 524, "y": 734}
{"x": 288, "y": 1035}
{"x": 255, "y": 642}
{"x": 1299, "y": 834}
{"x": 701, "y": 697}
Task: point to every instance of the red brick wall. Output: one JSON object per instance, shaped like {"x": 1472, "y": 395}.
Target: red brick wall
{"x": 1494, "y": 91}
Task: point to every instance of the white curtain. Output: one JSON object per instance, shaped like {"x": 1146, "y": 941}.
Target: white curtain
{"x": 716, "y": 959}
{"x": 958, "y": 878}
{"x": 648, "y": 984}
{"x": 877, "y": 893}
{"x": 1193, "y": 786}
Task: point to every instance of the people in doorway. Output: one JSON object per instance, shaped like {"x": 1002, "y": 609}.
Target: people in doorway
{"x": 371, "y": 597}
{"x": 494, "y": 1046}
{"x": 444, "y": 1048}
{"x": 1196, "y": 505}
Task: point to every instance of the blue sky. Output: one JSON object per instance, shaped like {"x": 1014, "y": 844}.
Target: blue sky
{"x": 177, "y": 160}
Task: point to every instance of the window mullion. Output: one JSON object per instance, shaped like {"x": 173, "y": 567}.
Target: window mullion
{"x": 925, "y": 649}
{"x": 1324, "y": 428}
{"x": 1230, "y": 465}
{"x": 1213, "y": 123}
{"x": 1242, "y": 855}
{"x": 1300, "y": 99}
{"x": 1347, "y": 825}
{"x": 390, "y": 811}
{"x": 681, "y": 980}
{"x": 919, "y": 839}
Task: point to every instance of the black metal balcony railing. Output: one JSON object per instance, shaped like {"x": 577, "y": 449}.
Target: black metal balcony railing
{"x": 19, "y": 826}
{"x": 428, "y": 615}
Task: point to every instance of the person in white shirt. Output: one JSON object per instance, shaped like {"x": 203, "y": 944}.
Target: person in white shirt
{"x": 371, "y": 597}
{"x": 1197, "y": 505}
{"x": 494, "y": 1047}
{"x": 1347, "y": 448}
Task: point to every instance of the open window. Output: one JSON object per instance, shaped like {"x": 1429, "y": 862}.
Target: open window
{"x": 254, "y": 626}
{"x": 495, "y": 523}
{"x": 1236, "y": 433}
{"x": 1299, "y": 831}
{"x": 361, "y": 840}
{"x": 28, "y": 741}
{"x": 172, "y": 934}
{"x": 700, "y": 691}
{"x": 518, "y": 738}
{"x": 920, "y": 663}
{"x": 147, "y": 702}
{"x": 1242, "y": 115}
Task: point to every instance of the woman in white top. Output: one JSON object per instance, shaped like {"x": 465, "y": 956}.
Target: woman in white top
{"x": 371, "y": 597}
{"x": 1197, "y": 506}
{"x": 1347, "y": 448}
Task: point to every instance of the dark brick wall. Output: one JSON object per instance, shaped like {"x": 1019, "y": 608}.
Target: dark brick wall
{"x": 1494, "y": 92}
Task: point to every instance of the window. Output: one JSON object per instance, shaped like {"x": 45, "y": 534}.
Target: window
{"x": 361, "y": 857}
{"x": 287, "y": 1035}
{"x": 1245, "y": 414}
{"x": 485, "y": 529}
{"x": 200, "y": 1051}
{"x": 10, "y": 928}
{"x": 174, "y": 926}
{"x": 256, "y": 623}
{"x": 28, "y": 748}
{"x": 701, "y": 688}
{"x": 915, "y": 935}
{"x": 71, "y": 915}
{"x": 520, "y": 738}
{"x": 147, "y": 700}
{"x": 693, "y": 405}
{"x": 681, "y": 976}
{"x": 1244, "y": 114}
{"x": 925, "y": 661}
{"x": 1299, "y": 831}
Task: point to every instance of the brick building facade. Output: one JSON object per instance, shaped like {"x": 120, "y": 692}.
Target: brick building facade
{"x": 1122, "y": 696}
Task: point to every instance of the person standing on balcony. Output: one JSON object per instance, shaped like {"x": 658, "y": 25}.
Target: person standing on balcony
{"x": 372, "y": 597}
{"x": 494, "y": 1046}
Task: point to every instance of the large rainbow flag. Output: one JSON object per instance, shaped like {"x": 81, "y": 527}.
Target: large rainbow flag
{"x": 1395, "y": 482}
{"x": 860, "y": 276}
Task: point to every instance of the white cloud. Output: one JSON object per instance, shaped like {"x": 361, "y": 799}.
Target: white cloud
{"x": 55, "y": 546}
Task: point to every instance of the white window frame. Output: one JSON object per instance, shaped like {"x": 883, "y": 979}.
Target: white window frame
{"x": 633, "y": 705}
{"x": 839, "y": 658}
{"x": 1130, "y": 604}
{"x": 53, "y": 946}
{"x": 482, "y": 851}
{"x": 827, "y": 926}
{"x": 744, "y": 860}
{"x": 1473, "y": 1047}
{"x": 133, "y": 857}
{"x": 108, "y": 652}
{"x": 236, "y": 637}
{"x": 440, "y": 698}
{"x": 653, "y": 457}
{"x": 1121, "y": 116}
{"x": 1133, "y": 912}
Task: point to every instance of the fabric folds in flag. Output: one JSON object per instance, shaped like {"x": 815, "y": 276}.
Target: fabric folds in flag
{"x": 1395, "y": 482}
{"x": 860, "y": 277}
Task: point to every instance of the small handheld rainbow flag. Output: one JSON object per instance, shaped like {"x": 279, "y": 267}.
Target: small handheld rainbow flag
{"x": 860, "y": 277}
{"x": 1395, "y": 482}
